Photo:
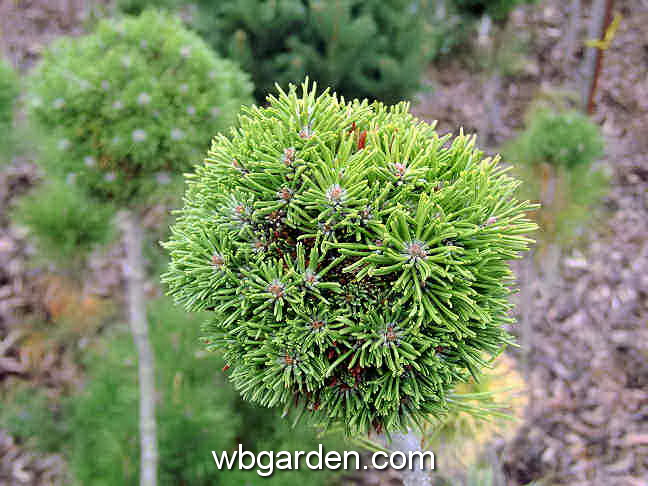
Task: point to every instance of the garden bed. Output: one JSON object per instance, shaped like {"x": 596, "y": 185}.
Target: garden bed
{"x": 582, "y": 327}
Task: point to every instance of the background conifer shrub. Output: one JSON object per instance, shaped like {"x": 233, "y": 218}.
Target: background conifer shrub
{"x": 136, "y": 7}
{"x": 557, "y": 154}
{"x": 363, "y": 48}
{"x": 131, "y": 105}
{"x": 561, "y": 138}
{"x": 64, "y": 223}
{"x": 354, "y": 262}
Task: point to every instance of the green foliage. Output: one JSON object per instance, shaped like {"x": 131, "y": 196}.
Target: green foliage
{"x": 497, "y": 9}
{"x": 198, "y": 413}
{"x": 8, "y": 94}
{"x": 556, "y": 155}
{"x": 559, "y": 138}
{"x": 132, "y": 104}
{"x": 483, "y": 474}
{"x": 355, "y": 263}
{"x": 364, "y": 48}
{"x": 446, "y": 31}
{"x": 32, "y": 418}
{"x": 63, "y": 221}
{"x": 480, "y": 477}
{"x": 108, "y": 455}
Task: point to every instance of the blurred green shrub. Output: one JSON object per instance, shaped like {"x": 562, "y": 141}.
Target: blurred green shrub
{"x": 63, "y": 221}
{"x": 199, "y": 412}
{"x": 8, "y": 94}
{"x": 556, "y": 155}
{"x": 560, "y": 138}
{"x": 133, "y": 104}
{"x": 376, "y": 49}
{"x": 30, "y": 416}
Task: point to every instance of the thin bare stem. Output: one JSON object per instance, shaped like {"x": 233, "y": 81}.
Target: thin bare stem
{"x": 417, "y": 475}
{"x": 134, "y": 273}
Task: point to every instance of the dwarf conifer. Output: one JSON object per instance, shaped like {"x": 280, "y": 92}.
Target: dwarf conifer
{"x": 354, "y": 261}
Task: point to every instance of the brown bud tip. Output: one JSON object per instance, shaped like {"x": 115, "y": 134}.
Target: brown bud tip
{"x": 362, "y": 139}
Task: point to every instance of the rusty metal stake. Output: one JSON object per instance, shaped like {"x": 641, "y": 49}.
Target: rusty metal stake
{"x": 594, "y": 59}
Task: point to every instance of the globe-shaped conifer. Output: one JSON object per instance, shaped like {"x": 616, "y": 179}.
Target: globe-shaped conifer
{"x": 132, "y": 104}
{"x": 355, "y": 262}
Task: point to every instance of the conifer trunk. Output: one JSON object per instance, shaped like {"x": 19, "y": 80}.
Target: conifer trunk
{"x": 417, "y": 475}
{"x": 134, "y": 274}
{"x": 488, "y": 39}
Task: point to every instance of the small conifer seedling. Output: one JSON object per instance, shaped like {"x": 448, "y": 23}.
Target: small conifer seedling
{"x": 354, "y": 261}
{"x": 63, "y": 221}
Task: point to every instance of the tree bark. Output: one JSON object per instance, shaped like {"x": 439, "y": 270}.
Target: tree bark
{"x": 134, "y": 274}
